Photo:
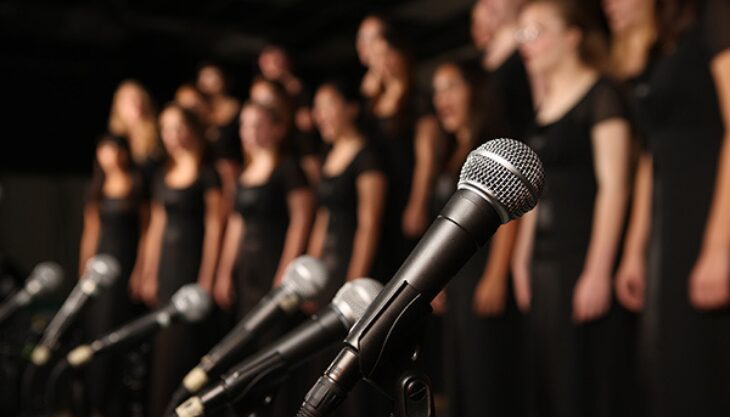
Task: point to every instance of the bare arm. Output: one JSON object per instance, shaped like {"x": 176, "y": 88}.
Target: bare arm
{"x": 228, "y": 172}
{"x": 90, "y": 235}
{"x": 211, "y": 239}
{"x": 301, "y": 208}
{"x": 522, "y": 256}
{"x": 491, "y": 293}
{"x": 135, "y": 280}
{"x": 415, "y": 216}
{"x": 223, "y": 286}
{"x": 153, "y": 244}
{"x": 611, "y": 144}
{"x": 371, "y": 199}
{"x": 709, "y": 284}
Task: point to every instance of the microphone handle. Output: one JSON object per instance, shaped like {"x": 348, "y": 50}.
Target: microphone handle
{"x": 137, "y": 329}
{"x": 13, "y": 303}
{"x": 228, "y": 351}
{"x": 252, "y": 380}
{"x": 65, "y": 316}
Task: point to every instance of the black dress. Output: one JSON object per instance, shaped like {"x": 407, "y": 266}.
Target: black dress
{"x": 512, "y": 89}
{"x": 686, "y": 352}
{"x": 481, "y": 355}
{"x": 265, "y": 211}
{"x": 225, "y": 143}
{"x": 118, "y": 237}
{"x": 178, "y": 348}
{"x": 338, "y": 194}
{"x": 574, "y": 370}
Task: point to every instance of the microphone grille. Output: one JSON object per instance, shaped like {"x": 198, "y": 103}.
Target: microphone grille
{"x": 46, "y": 277}
{"x": 103, "y": 269}
{"x": 355, "y": 297}
{"x": 192, "y": 302}
{"x": 506, "y": 172}
{"x": 306, "y": 276}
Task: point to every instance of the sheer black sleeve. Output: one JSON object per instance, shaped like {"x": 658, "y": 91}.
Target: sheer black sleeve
{"x": 607, "y": 103}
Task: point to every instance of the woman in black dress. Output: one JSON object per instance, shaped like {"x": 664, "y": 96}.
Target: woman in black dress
{"x": 272, "y": 217}
{"x": 681, "y": 236}
{"x": 182, "y": 245}
{"x": 347, "y": 228}
{"x": 480, "y": 331}
{"x": 567, "y": 248}
{"x": 114, "y": 217}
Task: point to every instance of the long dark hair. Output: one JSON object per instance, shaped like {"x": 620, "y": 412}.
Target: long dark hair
{"x": 98, "y": 177}
{"x": 674, "y": 17}
{"x": 196, "y": 127}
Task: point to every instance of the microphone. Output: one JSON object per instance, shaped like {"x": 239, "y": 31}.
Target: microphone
{"x": 44, "y": 279}
{"x": 190, "y": 303}
{"x": 101, "y": 272}
{"x": 304, "y": 278}
{"x": 251, "y": 381}
{"x": 500, "y": 181}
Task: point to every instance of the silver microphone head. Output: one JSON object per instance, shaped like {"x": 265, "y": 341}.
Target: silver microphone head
{"x": 355, "y": 297}
{"x": 306, "y": 276}
{"x": 507, "y": 173}
{"x": 45, "y": 278}
{"x": 192, "y": 302}
{"x": 103, "y": 270}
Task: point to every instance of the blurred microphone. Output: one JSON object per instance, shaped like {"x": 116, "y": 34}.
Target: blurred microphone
{"x": 249, "y": 382}
{"x": 190, "y": 303}
{"x": 101, "y": 271}
{"x": 501, "y": 180}
{"x": 44, "y": 279}
{"x": 304, "y": 278}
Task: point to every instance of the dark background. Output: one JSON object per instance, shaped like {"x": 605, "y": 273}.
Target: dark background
{"x": 61, "y": 61}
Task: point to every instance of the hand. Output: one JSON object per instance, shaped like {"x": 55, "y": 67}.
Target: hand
{"x": 521, "y": 284}
{"x": 709, "y": 282}
{"x": 415, "y": 220}
{"x": 148, "y": 291}
{"x": 439, "y": 304}
{"x": 630, "y": 283}
{"x": 591, "y": 297}
{"x": 490, "y": 297}
{"x": 223, "y": 292}
{"x": 135, "y": 285}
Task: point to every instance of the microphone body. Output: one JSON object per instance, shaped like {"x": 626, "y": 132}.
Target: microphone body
{"x": 304, "y": 279}
{"x": 189, "y": 303}
{"x": 501, "y": 180}
{"x": 45, "y": 278}
{"x": 251, "y": 381}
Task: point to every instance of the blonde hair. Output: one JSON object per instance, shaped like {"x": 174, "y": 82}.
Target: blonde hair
{"x": 143, "y": 139}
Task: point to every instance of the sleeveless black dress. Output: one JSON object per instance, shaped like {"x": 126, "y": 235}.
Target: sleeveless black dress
{"x": 574, "y": 370}
{"x": 686, "y": 352}
{"x": 265, "y": 212}
{"x": 119, "y": 237}
{"x": 178, "y": 348}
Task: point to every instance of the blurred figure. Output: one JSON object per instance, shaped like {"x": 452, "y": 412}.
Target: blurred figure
{"x": 134, "y": 117}
{"x": 272, "y": 218}
{"x": 190, "y": 98}
{"x": 566, "y": 251}
{"x": 493, "y": 29}
{"x": 347, "y": 229}
{"x": 275, "y": 65}
{"x": 677, "y": 260}
{"x": 182, "y": 245}
{"x": 406, "y": 143}
{"x": 115, "y": 215}
{"x": 224, "y": 148}
{"x": 480, "y": 328}
{"x": 306, "y": 147}
{"x": 371, "y": 31}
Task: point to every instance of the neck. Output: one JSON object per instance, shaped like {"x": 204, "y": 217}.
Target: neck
{"x": 348, "y": 136}
{"x": 566, "y": 74}
{"x": 630, "y": 48}
{"x": 184, "y": 158}
{"x": 264, "y": 155}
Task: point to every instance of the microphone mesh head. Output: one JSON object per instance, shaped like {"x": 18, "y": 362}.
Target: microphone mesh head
{"x": 192, "y": 302}
{"x": 46, "y": 277}
{"x": 103, "y": 269}
{"x": 507, "y": 173}
{"x": 306, "y": 276}
{"x": 355, "y": 297}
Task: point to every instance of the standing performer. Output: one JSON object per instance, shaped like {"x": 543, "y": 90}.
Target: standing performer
{"x": 567, "y": 248}
{"x": 182, "y": 245}
{"x": 679, "y": 239}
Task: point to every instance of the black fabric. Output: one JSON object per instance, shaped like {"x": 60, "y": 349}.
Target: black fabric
{"x": 225, "y": 143}
{"x": 119, "y": 235}
{"x": 178, "y": 348}
{"x": 513, "y": 92}
{"x": 574, "y": 370}
{"x": 687, "y": 352}
{"x": 265, "y": 213}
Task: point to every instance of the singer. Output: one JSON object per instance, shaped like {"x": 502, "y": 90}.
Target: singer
{"x": 181, "y": 246}
{"x": 567, "y": 248}
{"x": 114, "y": 218}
